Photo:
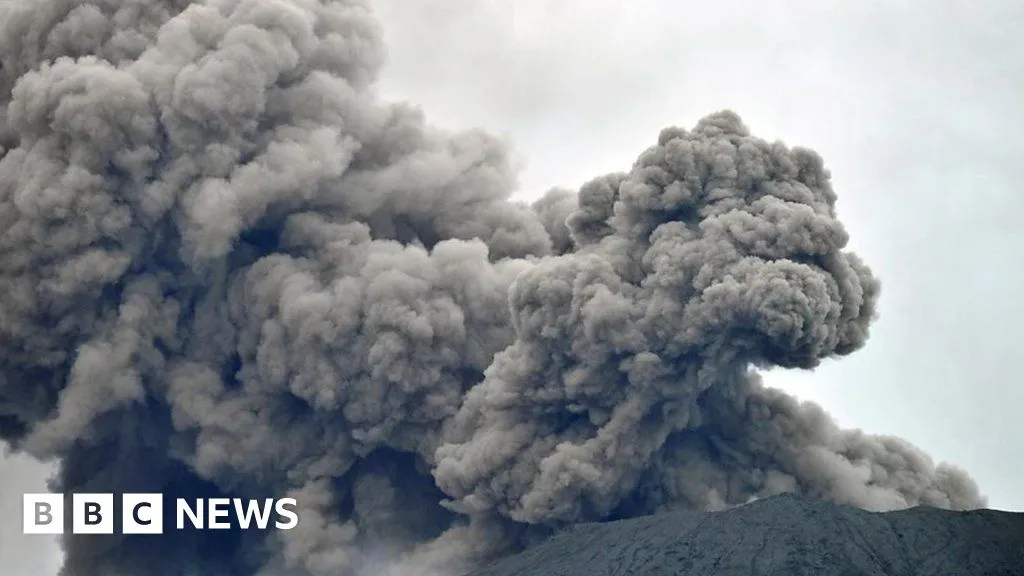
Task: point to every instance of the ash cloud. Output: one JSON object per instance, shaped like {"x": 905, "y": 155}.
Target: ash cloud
{"x": 227, "y": 267}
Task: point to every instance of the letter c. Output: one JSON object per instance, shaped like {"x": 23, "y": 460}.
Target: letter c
{"x": 135, "y": 514}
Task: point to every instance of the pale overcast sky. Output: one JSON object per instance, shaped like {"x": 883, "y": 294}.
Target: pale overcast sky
{"x": 916, "y": 108}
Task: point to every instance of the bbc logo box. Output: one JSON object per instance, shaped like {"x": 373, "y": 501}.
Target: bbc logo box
{"x": 92, "y": 514}
{"x": 144, "y": 513}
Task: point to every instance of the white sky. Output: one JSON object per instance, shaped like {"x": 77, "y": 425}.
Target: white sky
{"x": 917, "y": 108}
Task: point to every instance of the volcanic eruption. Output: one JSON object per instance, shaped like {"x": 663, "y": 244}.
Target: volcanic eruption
{"x": 229, "y": 267}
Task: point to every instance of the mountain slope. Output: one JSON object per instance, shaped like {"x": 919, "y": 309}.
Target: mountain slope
{"x": 783, "y": 536}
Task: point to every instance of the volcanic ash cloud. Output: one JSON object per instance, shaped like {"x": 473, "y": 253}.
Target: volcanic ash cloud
{"x": 228, "y": 268}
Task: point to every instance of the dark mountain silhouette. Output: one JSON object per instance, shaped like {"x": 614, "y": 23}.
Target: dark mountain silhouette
{"x": 783, "y": 536}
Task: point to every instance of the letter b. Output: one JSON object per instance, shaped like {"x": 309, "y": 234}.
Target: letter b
{"x": 92, "y": 514}
{"x": 43, "y": 514}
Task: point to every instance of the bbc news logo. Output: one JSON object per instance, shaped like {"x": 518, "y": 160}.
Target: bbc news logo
{"x": 143, "y": 514}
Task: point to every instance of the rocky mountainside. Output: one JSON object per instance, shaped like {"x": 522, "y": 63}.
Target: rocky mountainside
{"x": 783, "y": 536}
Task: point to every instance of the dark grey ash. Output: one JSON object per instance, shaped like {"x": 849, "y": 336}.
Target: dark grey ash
{"x": 228, "y": 268}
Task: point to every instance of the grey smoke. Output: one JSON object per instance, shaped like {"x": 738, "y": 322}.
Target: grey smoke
{"x": 227, "y": 266}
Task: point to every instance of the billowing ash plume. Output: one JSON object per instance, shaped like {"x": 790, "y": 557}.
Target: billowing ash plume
{"x": 227, "y": 267}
